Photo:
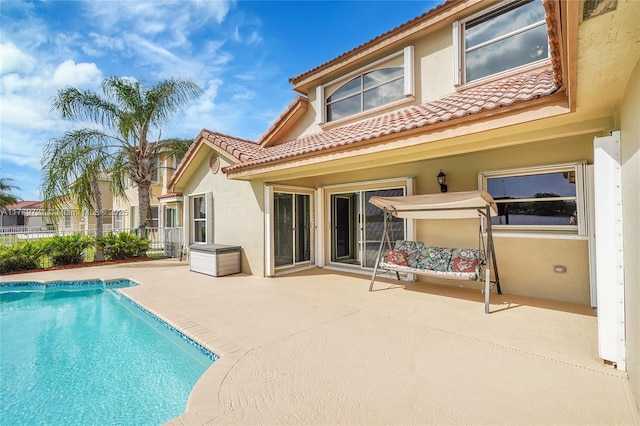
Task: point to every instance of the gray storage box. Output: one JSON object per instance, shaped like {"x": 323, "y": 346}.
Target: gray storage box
{"x": 214, "y": 259}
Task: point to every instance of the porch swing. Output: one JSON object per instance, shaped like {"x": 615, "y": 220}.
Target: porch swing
{"x": 414, "y": 257}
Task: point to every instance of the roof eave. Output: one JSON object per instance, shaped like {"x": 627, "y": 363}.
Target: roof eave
{"x": 557, "y": 100}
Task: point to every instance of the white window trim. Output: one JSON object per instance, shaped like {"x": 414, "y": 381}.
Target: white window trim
{"x": 325, "y": 192}
{"x": 541, "y": 231}
{"x": 269, "y": 190}
{"x": 409, "y": 84}
{"x": 459, "y": 78}
{"x": 189, "y": 229}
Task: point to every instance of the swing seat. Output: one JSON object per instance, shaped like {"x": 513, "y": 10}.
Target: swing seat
{"x": 414, "y": 257}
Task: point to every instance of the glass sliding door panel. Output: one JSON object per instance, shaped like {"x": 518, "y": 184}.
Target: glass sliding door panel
{"x": 344, "y": 209}
{"x": 283, "y": 228}
{"x": 374, "y": 225}
{"x": 303, "y": 228}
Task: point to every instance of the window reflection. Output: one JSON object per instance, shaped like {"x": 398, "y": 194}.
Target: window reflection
{"x": 504, "y": 39}
{"x": 537, "y": 199}
{"x": 365, "y": 92}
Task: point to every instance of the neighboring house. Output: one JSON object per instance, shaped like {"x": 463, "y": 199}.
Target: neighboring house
{"x": 517, "y": 98}
{"x": 23, "y": 215}
{"x": 72, "y": 219}
{"x": 164, "y": 209}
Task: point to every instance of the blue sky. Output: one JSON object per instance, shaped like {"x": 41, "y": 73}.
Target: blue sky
{"x": 242, "y": 53}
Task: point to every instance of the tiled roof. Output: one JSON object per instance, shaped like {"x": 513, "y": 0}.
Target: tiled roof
{"x": 504, "y": 93}
{"x": 25, "y": 205}
{"x": 170, "y": 195}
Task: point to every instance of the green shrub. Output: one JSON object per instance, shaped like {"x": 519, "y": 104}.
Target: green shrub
{"x": 20, "y": 257}
{"x": 122, "y": 246}
{"x": 67, "y": 249}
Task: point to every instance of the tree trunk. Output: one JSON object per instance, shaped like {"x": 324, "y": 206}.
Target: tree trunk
{"x": 143, "y": 208}
{"x": 97, "y": 196}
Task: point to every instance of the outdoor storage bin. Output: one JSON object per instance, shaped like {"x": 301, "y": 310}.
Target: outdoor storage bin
{"x": 214, "y": 259}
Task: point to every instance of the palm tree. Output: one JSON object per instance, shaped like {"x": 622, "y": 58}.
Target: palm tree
{"x": 125, "y": 115}
{"x": 6, "y": 197}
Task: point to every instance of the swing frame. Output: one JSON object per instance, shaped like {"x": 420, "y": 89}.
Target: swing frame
{"x": 460, "y": 205}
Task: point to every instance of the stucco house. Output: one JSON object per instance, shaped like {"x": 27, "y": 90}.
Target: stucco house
{"x": 23, "y": 215}
{"x": 163, "y": 213}
{"x": 536, "y": 102}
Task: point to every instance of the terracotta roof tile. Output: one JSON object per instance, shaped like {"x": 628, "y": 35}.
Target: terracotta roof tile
{"x": 521, "y": 88}
{"x": 20, "y": 205}
{"x": 170, "y": 195}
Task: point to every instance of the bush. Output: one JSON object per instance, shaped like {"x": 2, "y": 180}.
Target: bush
{"x": 20, "y": 257}
{"x": 68, "y": 249}
{"x": 122, "y": 246}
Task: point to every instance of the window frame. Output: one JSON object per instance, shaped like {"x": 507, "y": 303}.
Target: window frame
{"x": 362, "y": 91}
{"x": 155, "y": 220}
{"x": 67, "y": 218}
{"x": 581, "y": 199}
{"x": 195, "y": 220}
{"x": 460, "y": 50}
{"x": 407, "y": 64}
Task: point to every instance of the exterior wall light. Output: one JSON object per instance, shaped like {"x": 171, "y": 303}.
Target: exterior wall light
{"x": 442, "y": 178}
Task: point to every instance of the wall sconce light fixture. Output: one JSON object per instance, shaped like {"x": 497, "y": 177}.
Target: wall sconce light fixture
{"x": 442, "y": 179}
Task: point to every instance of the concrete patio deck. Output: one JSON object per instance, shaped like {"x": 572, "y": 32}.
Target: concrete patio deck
{"x": 315, "y": 347}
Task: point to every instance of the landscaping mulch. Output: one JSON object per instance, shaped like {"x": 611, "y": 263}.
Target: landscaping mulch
{"x": 83, "y": 265}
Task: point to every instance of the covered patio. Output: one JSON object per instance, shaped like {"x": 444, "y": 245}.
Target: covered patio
{"x": 315, "y": 347}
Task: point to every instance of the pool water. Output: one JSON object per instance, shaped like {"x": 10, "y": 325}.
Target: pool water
{"x": 85, "y": 354}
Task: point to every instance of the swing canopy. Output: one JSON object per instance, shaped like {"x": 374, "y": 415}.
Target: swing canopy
{"x": 451, "y": 205}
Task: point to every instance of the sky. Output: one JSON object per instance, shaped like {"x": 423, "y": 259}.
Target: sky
{"x": 241, "y": 53}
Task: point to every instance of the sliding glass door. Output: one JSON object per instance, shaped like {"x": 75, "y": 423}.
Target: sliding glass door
{"x": 357, "y": 226}
{"x": 292, "y": 228}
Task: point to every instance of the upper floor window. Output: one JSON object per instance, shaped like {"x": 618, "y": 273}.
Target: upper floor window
{"x": 539, "y": 199}
{"x": 509, "y": 36}
{"x": 378, "y": 84}
{"x": 365, "y": 92}
{"x": 154, "y": 173}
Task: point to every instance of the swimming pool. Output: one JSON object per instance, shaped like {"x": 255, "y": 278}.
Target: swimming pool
{"x": 83, "y": 353}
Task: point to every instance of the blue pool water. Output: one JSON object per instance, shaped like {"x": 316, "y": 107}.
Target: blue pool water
{"x": 82, "y": 353}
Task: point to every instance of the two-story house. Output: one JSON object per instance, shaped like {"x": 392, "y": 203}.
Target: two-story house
{"x": 164, "y": 212}
{"x": 536, "y": 102}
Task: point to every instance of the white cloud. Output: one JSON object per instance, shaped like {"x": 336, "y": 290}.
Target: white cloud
{"x": 13, "y": 59}
{"x": 175, "y": 18}
{"x": 82, "y": 75}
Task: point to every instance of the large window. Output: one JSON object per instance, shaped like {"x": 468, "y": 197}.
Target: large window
{"x": 365, "y": 92}
{"x": 199, "y": 209}
{"x": 538, "y": 199}
{"x": 509, "y": 36}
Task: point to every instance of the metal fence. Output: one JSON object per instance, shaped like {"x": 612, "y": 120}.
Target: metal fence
{"x": 163, "y": 241}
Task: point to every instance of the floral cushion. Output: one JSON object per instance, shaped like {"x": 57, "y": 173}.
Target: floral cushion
{"x": 397, "y": 257}
{"x": 412, "y": 248}
{"x": 434, "y": 258}
{"x": 464, "y": 260}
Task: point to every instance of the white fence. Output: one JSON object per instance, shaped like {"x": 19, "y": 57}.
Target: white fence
{"x": 166, "y": 241}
